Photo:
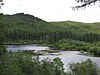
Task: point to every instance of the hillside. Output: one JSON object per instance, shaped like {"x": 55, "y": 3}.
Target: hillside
{"x": 79, "y": 27}
{"x": 24, "y": 27}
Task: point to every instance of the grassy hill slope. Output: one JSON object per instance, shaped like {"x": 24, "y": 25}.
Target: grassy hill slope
{"x": 79, "y": 27}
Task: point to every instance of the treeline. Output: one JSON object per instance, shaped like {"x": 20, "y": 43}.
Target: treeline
{"x": 23, "y": 27}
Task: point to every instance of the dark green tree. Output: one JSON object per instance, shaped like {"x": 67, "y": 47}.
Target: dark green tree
{"x": 2, "y": 33}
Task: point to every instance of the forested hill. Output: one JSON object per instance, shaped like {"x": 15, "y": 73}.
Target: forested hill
{"x": 24, "y": 27}
{"x": 27, "y": 27}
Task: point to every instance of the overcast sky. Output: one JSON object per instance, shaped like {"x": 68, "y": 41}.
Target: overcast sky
{"x": 52, "y": 10}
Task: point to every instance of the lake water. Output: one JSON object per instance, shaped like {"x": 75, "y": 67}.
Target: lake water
{"x": 66, "y": 56}
{"x": 72, "y": 56}
{"x": 15, "y": 48}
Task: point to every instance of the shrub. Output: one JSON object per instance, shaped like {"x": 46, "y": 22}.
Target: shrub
{"x": 84, "y": 68}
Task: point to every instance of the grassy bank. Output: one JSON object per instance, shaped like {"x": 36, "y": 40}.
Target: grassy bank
{"x": 51, "y": 51}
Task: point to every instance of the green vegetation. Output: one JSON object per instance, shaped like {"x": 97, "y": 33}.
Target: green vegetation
{"x": 2, "y": 38}
{"x": 26, "y": 28}
{"x": 84, "y": 68}
{"x": 22, "y": 63}
{"x": 23, "y": 29}
{"x": 67, "y": 35}
{"x": 92, "y": 48}
{"x": 51, "y": 51}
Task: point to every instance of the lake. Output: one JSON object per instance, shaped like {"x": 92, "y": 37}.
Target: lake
{"x": 66, "y": 56}
{"x": 15, "y": 48}
{"x": 72, "y": 56}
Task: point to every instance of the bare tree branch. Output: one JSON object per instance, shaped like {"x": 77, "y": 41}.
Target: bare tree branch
{"x": 85, "y": 3}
